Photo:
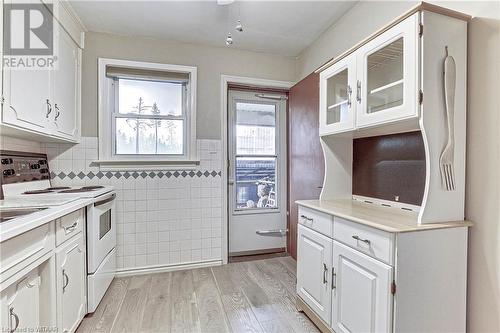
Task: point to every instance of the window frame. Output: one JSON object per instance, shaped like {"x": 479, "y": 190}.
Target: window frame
{"x": 108, "y": 111}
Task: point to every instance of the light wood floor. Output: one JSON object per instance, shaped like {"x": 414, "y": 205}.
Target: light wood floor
{"x": 253, "y": 296}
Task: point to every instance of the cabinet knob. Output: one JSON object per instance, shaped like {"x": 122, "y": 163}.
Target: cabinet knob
{"x": 366, "y": 241}
{"x": 49, "y": 108}
{"x": 65, "y": 280}
{"x": 57, "y": 111}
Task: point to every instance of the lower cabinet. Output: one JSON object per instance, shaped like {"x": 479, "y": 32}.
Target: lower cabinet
{"x": 71, "y": 296}
{"x": 361, "y": 297}
{"x": 313, "y": 274}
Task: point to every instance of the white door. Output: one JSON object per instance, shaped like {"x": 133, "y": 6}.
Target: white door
{"x": 387, "y": 73}
{"x": 21, "y": 304}
{"x": 257, "y": 173}
{"x": 71, "y": 277}
{"x": 314, "y": 258}
{"x": 362, "y": 298}
{"x": 26, "y": 98}
{"x": 337, "y": 104}
{"x": 65, "y": 87}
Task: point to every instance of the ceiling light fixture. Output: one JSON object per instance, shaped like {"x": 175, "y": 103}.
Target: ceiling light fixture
{"x": 229, "y": 39}
{"x": 239, "y": 27}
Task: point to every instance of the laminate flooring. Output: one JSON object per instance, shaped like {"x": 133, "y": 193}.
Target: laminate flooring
{"x": 252, "y": 296}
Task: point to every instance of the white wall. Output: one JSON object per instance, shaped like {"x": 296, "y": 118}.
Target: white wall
{"x": 483, "y": 141}
{"x": 211, "y": 63}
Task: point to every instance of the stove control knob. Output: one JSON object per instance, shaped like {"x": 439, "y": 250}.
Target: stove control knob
{"x": 9, "y": 172}
{"x": 42, "y": 162}
{"x": 7, "y": 161}
{"x": 44, "y": 170}
{"x": 35, "y": 166}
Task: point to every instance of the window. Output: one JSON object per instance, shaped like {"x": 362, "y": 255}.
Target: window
{"x": 146, "y": 113}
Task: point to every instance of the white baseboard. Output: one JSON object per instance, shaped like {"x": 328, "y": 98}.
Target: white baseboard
{"x": 165, "y": 268}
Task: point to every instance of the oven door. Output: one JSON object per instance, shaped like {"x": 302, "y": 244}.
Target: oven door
{"x": 101, "y": 230}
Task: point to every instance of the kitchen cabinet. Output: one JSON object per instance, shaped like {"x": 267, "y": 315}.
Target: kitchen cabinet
{"x": 313, "y": 274}
{"x": 66, "y": 87}
{"x": 71, "y": 276}
{"x": 362, "y": 299}
{"x": 44, "y": 103}
{"x": 21, "y": 303}
{"x": 43, "y": 276}
{"x": 337, "y": 107}
{"x": 382, "y": 273}
{"x": 388, "y": 75}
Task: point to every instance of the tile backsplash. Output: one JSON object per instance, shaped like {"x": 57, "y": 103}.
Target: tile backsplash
{"x": 163, "y": 217}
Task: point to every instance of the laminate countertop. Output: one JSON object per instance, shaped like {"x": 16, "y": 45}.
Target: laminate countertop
{"x": 384, "y": 218}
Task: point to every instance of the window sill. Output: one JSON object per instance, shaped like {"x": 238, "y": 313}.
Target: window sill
{"x": 134, "y": 165}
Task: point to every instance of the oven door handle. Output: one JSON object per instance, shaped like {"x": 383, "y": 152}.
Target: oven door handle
{"x": 105, "y": 201}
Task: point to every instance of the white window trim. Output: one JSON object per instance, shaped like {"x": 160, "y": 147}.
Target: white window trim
{"x": 106, "y": 102}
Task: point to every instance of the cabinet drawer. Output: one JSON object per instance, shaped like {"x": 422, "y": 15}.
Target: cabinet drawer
{"x": 373, "y": 242}
{"x": 18, "y": 252}
{"x": 68, "y": 226}
{"x": 318, "y": 221}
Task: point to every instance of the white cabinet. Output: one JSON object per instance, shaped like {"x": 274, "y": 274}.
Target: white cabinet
{"x": 388, "y": 75}
{"x": 21, "y": 304}
{"x": 71, "y": 276}
{"x": 65, "y": 88}
{"x": 26, "y": 95}
{"x": 44, "y": 103}
{"x": 361, "y": 298}
{"x": 313, "y": 274}
{"x": 375, "y": 84}
{"x": 336, "y": 103}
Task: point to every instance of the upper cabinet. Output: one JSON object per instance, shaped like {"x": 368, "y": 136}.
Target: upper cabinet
{"x": 387, "y": 76}
{"x": 336, "y": 97}
{"x": 375, "y": 84}
{"x": 43, "y": 103}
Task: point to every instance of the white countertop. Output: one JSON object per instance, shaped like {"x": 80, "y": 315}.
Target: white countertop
{"x": 25, "y": 223}
{"x": 383, "y": 218}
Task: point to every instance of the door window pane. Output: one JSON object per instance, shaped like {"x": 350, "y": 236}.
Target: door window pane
{"x": 150, "y": 97}
{"x": 385, "y": 77}
{"x": 149, "y": 136}
{"x": 255, "y": 183}
{"x": 337, "y": 98}
{"x": 255, "y": 129}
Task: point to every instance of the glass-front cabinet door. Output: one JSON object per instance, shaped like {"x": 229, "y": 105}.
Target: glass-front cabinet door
{"x": 336, "y": 97}
{"x": 387, "y": 85}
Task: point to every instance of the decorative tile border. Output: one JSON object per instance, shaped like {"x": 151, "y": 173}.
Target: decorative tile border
{"x": 136, "y": 174}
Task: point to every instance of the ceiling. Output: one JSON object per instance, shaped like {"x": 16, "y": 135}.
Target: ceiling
{"x": 279, "y": 27}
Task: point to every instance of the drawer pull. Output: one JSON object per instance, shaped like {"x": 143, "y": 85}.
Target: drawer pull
{"x": 71, "y": 227}
{"x": 306, "y": 218}
{"x": 366, "y": 241}
{"x": 325, "y": 272}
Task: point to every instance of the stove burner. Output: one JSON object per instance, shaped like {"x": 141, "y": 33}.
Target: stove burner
{"x": 55, "y": 188}
{"x": 76, "y": 190}
{"x": 38, "y": 191}
{"x": 94, "y": 187}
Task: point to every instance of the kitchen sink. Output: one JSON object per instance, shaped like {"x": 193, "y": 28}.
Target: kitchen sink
{"x": 7, "y": 215}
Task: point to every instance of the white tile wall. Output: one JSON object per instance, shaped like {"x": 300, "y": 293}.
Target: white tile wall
{"x": 11, "y": 143}
{"x": 160, "y": 221}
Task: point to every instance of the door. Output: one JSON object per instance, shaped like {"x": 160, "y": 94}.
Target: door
{"x": 65, "y": 87}
{"x": 388, "y": 75}
{"x": 257, "y": 172}
{"x": 71, "y": 276}
{"x": 101, "y": 230}
{"x": 26, "y": 97}
{"x": 336, "y": 97}
{"x": 314, "y": 258}
{"x": 362, "y": 299}
{"x": 306, "y": 164}
{"x": 21, "y": 304}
